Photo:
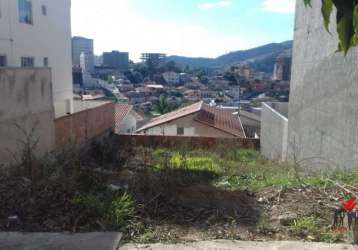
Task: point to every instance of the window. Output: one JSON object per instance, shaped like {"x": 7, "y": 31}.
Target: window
{"x": 3, "y": 61}
{"x": 25, "y": 11}
{"x": 180, "y": 131}
{"x": 27, "y": 62}
{"x": 45, "y": 61}
{"x": 44, "y": 10}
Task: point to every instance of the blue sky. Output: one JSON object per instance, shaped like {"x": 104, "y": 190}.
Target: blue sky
{"x": 206, "y": 28}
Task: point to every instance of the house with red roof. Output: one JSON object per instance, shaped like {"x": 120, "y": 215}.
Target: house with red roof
{"x": 198, "y": 119}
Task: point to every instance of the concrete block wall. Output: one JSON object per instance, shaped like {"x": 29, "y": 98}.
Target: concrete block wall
{"x": 274, "y": 131}
{"x": 177, "y": 142}
{"x": 26, "y": 104}
{"x": 85, "y": 125}
{"x": 323, "y": 111}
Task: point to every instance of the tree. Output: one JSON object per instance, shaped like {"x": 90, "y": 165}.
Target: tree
{"x": 162, "y": 106}
{"x": 346, "y": 19}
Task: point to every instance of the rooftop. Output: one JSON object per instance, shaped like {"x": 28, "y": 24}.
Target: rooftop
{"x": 211, "y": 116}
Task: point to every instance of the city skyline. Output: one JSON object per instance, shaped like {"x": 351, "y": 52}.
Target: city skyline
{"x": 187, "y": 28}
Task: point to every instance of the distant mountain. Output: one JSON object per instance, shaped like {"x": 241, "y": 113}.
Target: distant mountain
{"x": 261, "y": 58}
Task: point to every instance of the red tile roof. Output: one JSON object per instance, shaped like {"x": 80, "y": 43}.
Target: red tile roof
{"x": 210, "y": 116}
{"x": 220, "y": 119}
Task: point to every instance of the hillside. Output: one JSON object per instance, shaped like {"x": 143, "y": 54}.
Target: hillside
{"x": 261, "y": 58}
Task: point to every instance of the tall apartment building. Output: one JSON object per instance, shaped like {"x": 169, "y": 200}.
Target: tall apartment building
{"x": 153, "y": 57}
{"x": 87, "y": 62}
{"x": 37, "y": 33}
{"x": 81, "y": 45}
{"x": 116, "y": 60}
{"x": 282, "y": 68}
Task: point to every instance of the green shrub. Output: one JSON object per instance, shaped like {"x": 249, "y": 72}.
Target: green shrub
{"x": 115, "y": 210}
{"x": 304, "y": 226}
{"x": 121, "y": 210}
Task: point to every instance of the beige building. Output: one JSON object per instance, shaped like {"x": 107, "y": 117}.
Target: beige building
{"x": 37, "y": 33}
{"x": 198, "y": 119}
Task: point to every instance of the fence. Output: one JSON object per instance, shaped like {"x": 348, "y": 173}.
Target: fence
{"x": 87, "y": 124}
{"x": 178, "y": 141}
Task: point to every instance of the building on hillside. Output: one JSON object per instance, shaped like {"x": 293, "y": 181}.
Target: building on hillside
{"x": 81, "y": 45}
{"x": 126, "y": 119}
{"x": 155, "y": 58}
{"x": 116, "y": 60}
{"x": 282, "y": 68}
{"x": 198, "y": 119}
{"x": 171, "y": 78}
{"x": 32, "y": 36}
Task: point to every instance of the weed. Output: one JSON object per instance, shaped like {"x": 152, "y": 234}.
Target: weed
{"x": 306, "y": 225}
{"x": 121, "y": 209}
{"x": 114, "y": 209}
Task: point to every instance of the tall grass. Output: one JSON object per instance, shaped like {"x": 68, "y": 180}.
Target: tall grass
{"x": 242, "y": 168}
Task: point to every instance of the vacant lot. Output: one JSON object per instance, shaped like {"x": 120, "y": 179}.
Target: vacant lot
{"x": 160, "y": 195}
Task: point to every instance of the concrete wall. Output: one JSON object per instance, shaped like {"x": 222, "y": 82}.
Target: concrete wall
{"x": 48, "y": 36}
{"x": 323, "y": 111}
{"x": 85, "y": 125}
{"x": 25, "y": 104}
{"x": 185, "y": 141}
{"x": 191, "y": 128}
{"x": 128, "y": 125}
{"x": 274, "y": 131}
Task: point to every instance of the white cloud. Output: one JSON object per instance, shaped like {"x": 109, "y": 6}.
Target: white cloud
{"x": 279, "y": 6}
{"x": 116, "y": 25}
{"x": 220, "y": 4}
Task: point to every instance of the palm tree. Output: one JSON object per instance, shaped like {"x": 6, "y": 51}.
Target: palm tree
{"x": 162, "y": 106}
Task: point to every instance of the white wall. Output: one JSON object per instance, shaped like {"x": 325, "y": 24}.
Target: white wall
{"x": 170, "y": 130}
{"x": 274, "y": 132}
{"x": 128, "y": 123}
{"x": 48, "y": 36}
{"x": 323, "y": 112}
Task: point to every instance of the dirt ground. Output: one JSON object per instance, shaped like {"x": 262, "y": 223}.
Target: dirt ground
{"x": 203, "y": 212}
{"x": 170, "y": 213}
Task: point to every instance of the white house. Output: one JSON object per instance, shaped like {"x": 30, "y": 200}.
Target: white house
{"x": 171, "y": 77}
{"x": 199, "y": 120}
{"x": 126, "y": 119}
{"x": 37, "y": 33}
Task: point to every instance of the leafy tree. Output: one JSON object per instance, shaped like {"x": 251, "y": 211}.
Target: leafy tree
{"x": 172, "y": 66}
{"x": 162, "y": 106}
{"x": 346, "y": 19}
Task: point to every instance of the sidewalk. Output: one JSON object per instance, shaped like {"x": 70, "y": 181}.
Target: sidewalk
{"x": 59, "y": 241}
{"x": 229, "y": 245}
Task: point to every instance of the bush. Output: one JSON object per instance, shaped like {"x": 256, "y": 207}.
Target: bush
{"x": 121, "y": 210}
{"x": 115, "y": 210}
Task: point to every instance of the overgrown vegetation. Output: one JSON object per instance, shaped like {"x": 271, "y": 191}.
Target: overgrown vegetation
{"x": 154, "y": 194}
{"x": 244, "y": 169}
{"x": 346, "y": 19}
